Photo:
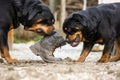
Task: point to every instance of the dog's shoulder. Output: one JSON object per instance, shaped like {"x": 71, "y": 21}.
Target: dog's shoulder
{"x": 109, "y": 8}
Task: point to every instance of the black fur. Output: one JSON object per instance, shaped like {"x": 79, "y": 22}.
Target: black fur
{"x": 26, "y": 12}
{"x": 98, "y": 22}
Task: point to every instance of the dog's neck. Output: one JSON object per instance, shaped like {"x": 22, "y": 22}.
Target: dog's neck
{"x": 23, "y": 7}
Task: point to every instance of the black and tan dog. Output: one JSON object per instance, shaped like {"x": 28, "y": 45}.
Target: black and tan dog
{"x": 99, "y": 24}
{"x": 33, "y": 14}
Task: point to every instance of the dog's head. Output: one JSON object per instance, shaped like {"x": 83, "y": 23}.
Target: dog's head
{"x": 73, "y": 27}
{"x": 37, "y": 17}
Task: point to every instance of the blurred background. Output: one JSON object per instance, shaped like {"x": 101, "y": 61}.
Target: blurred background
{"x": 60, "y": 9}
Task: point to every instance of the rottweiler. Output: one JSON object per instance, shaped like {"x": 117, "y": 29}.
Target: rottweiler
{"x": 99, "y": 24}
{"x": 32, "y": 14}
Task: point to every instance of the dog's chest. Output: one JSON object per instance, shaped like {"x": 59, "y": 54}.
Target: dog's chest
{"x": 99, "y": 40}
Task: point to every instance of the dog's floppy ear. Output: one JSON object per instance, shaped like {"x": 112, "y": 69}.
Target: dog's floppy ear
{"x": 82, "y": 19}
{"x": 94, "y": 18}
{"x": 94, "y": 21}
{"x": 33, "y": 13}
{"x": 32, "y": 10}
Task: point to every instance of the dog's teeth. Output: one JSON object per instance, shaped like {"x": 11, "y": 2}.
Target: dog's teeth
{"x": 74, "y": 43}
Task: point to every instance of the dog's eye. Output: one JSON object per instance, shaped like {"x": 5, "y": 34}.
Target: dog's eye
{"x": 53, "y": 21}
{"x": 65, "y": 29}
{"x": 50, "y": 21}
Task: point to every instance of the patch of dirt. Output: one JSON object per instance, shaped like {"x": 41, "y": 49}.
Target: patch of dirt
{"x": 31, "y": 67}
{"x": 64, "y": 70}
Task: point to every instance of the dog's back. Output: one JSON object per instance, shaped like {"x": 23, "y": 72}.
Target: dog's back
{"x": 111, "y": 13}
{"x": 107, "y": 13}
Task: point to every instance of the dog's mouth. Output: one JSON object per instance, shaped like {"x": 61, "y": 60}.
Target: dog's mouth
{"x": 75, "y": 42}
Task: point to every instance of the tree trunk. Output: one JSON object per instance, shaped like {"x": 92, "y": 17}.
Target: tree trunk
{"x": 63, "y": 12}
{"x": 84, "y": 4}
{"x": 52, "y": 4}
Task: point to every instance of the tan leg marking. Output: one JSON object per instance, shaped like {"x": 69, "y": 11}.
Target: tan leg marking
{"x": 82, "y": 56}
{"x": 105, "y": 58}
{"x": 8, "y": 57}
{"x": 10, "y": 38}
{"x": 117, "y": 52}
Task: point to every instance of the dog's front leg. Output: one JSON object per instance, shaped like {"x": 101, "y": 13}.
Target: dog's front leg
{"x": 7, "y": 56}
{"x": 4, "y": 50}
{"x": 107, "y": 51}
{"x": 87, "y": 46}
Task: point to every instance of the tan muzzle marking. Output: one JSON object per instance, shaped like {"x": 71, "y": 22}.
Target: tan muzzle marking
{"x": 73, "y": 37}
{"x": 46, "y": 29}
